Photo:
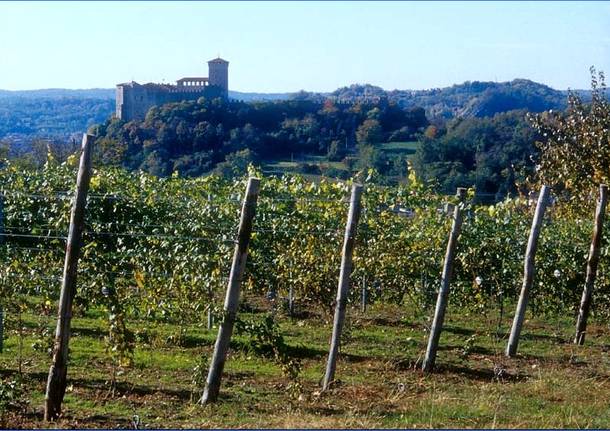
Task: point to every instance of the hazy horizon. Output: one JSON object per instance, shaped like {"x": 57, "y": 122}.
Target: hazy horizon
{"x": 586, "y": 87}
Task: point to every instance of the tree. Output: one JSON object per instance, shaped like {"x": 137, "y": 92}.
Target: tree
{"x": 431, "y": 132}
{"x": 336, "y": 151}
{"x": 369, "y": 133}
{"x": 236, "y": 164}
{"x": 487, "y": 153}
{"x": 575, "y": 149}
{"x": 370, "y": 157}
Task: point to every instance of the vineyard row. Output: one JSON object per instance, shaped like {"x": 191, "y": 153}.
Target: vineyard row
{"x": 393, "y": 238}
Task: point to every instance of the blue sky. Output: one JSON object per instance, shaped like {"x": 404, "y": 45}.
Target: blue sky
{"x": 288, "y": 46}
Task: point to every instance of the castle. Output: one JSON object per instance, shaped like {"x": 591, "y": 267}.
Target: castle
{"x": 133, "y": 100}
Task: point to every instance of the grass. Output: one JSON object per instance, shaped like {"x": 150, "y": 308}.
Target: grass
{"x": 278, "y": 167}
{"x": 290, "y": 166}
{"x": 551, "y": 383}
{"x": 400, "y": 148}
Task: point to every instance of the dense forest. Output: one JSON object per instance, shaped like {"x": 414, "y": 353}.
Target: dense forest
{"x": 194, "y": 137}
{"x": 51, "y": 116}
{"x": 490, "y": 153}
{"x": 60, "y": 112}
{"x": 475, "y": 133}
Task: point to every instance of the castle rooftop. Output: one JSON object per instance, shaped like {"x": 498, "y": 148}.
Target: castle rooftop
{"x": 193, "y": 78}
{"x": 218, "y": 60}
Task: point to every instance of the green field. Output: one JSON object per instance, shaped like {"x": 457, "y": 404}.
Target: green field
{"x": 551, "y": 383}
{"x": 279, "y": 167}
{"x": 400, "y": 148}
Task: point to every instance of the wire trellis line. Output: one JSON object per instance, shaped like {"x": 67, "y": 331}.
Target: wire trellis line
{"x": 12, "y": 247}
{"x": 33, "y": 236}
{"x": 84, "y": 272}
{"x": 299, "y": 232}
{"x": 228, "y": 232}
{"x": 5, "y": 194}
{"x": 158, "y": 236}
{"x": 199, "y": 199}
{"x": 30, "y": 277}
{"x": 265, "y": 199}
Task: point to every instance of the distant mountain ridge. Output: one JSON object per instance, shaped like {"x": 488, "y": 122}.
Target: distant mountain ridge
{"x": 59, "y": 93}
{"x": 59, "y": 112}
{"x": 109, "y": 93}
{"x": 469, "y": 99}
{"x": 259, "y": 97}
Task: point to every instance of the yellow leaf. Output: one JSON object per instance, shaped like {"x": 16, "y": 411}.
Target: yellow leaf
{"x": 72, "y": 160}
{"x": 95, "y": 182}
{"x": 139, "y": 279}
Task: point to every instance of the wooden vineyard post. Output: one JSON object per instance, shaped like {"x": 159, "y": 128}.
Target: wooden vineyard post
{"x": 592, "y": 263}
{"x": 210, "y": 320}
{"x": 528, "y": 272}
{"x": 344, "y": 276}
{"x": 291, "y": 300}
{"x": 443, "y": 293}
{"x": 225, "y": 329}
{"x": 363, "y": 297}
{"x": 56, "y": 383}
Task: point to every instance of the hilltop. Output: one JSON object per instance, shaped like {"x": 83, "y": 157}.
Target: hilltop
{"x": 332, "y": 134}
{"x": 61, "y": 112}
{"x": 466, "y": 100}
{"x": 109, "y": 93}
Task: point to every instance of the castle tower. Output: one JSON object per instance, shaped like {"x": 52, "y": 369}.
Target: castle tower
{"x": 218, "y": 74}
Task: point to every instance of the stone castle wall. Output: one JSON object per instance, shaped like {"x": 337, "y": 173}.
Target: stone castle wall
{"x": 133, "y": 100}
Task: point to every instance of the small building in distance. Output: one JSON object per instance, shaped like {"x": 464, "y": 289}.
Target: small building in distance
{"x": 133, "y": 100}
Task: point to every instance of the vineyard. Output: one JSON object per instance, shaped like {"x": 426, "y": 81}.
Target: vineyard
{"x": 154, "y": 266}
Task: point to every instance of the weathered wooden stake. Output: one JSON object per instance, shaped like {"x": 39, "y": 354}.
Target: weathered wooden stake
{"x": 443, "y": 293}
{"x": 592, "y": 263}
{"x": 363, "y": 298}
{"x": 528, "y": 271}
{"x": 210, "y": 318}
{"x": 225, "y": 330}
{"x": 344, "y": 276}
{"x": 291, "y": 300}
{"x": 56, "y": 383}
